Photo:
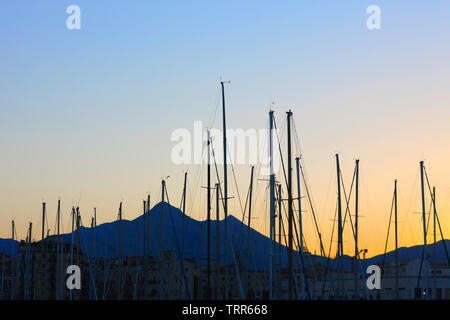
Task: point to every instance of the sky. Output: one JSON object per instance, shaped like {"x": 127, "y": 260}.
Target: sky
{"x": 87, "y": 115}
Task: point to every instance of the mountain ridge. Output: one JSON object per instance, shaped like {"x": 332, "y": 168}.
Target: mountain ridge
{"x": 106, "y": 241}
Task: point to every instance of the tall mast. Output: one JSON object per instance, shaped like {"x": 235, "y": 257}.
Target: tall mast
{"x": 424, "y": 230}
{"x": 30, "y": 233}
{"x": 91, "y": 288}
{"x": 58, "y": 213}
{"x": 340, "y": 245}
{"x": 434, "y": 214}
{"x": 300, "y": 226}
{"x": 29, "y": 266}
{"x": 280, "y": 219}
{"x": 147, "y": 227}
{"x": 13, "y": 285}
{"x": 208, "y": 202}
{"x": 120, "y": 231}
{"x": 290, "y": 212}
{"x": 119, "y": 252}
{"x": 71, "y": 247}
{"x": 43, "y": 220}
{"x": 272, "y": 206}
{"x": 78, "y": 242}
{"x": 163, "y": 183}
{"x": 145, "y": 249}
{"x": 356, "y": 227}
{"x": 58, "y": 266}
{"x": 249, "y": 224}
{"x": 61, "y": 254}
{"x": 217, "y": 240}
{"x": 183, "y": 210}
{"x": 225, "y": 180}
{"x": 396, "y": 239}
{"x": 78, "y": 233}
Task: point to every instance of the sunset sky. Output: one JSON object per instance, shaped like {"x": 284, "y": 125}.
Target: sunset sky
{"x": 87, "y": 115}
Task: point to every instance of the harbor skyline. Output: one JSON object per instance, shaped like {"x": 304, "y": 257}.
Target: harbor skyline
{"x": 87, "y": 115}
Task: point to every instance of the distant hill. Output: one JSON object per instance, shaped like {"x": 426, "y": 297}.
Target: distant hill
{"x": 436, "y": 251}
{"x": 106, "y": 240}
{"x": 9, "y": 247}
{"x": 195, "y": 233}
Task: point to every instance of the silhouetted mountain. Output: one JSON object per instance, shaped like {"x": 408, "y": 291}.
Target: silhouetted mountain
{"x": 435, "y": 250}
{"x": 9, "y": 247}
{"x": 106, "y": 240}
{"x": 106, "y": 237}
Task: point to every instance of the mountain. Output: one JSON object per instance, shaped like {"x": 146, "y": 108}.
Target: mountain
{"x": 436, "y": 251}
{"x": 9, "y": 247}
{"x": 106, "y": 240}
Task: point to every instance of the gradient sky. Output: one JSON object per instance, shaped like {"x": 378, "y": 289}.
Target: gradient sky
{"x": 86, "y": 115}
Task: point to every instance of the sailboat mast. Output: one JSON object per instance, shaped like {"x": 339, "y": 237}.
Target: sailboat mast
{"x": 249, "y": 225}
{"x": 58, "y": 266}
{"x": 225, "y": 180}
{"x": 208, "y": 202}
{"x": 356, "y": 226}
{"x": 290, "y": 212}
{"x": 78, "y": 221}
{"x": 424, "y": 230}
{"x": 340, "y": 245}
{"x": 161, "y": 267}
{"x": 396, "y": 240}
{"x": 13, "y": 284}
{"x": 300, "y": 226}
{"x": 43, "y": 220}
{"x": 71, "y": 246}
{"x": 217, "y": 240}
{"x": 147, "y": 227}
{"x": 30, "y": 233}
{"x": 183, "y": 210}
{"x": 434, "y": 214}
{"x": 120, "y": 231}
{"x": 272, "y": 206}
{"x": 146, "y": 216}
{"x": 280, "y": 219}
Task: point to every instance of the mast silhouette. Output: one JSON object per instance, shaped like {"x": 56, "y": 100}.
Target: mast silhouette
{"x": 340, "y": 245}
{"x": 208, "y": 279}
{"x": 249, "y": 226}
{"x": 71, "y": 246}
{"x": 290, "y": 212}
{"x": 119, "y": 250}
{"x": 145, "y": 249}
{"x": 217, "y": 241}
{"x": 425, "y": 253}
{"x": 356, "y": 227}
{"x": 43, "y": 220}
{"x": 434, "y": 214}
{"x": 13, "y": 279}
{"x": 225, "y": 180}
{"x": 272, "y": 207}
{"x": 396, "y": 241}
{"x": 280, "y": 222}
{"x": 161, "y": 267}
{"x": 300, "y": 226}
{"x": 183, "y": 209}
{"x": 58, "y": 248}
